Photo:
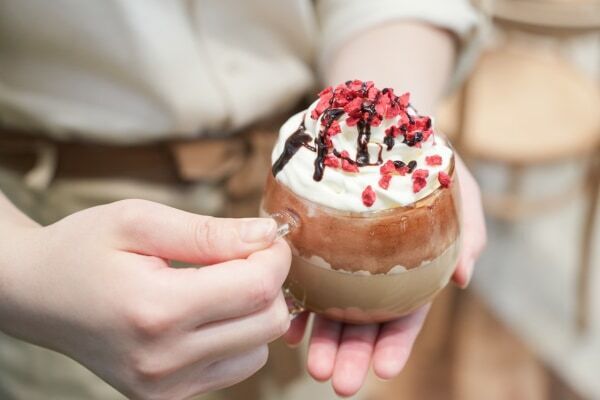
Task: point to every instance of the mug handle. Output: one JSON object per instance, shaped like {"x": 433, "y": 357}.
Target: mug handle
{"x": 287, "y": 222}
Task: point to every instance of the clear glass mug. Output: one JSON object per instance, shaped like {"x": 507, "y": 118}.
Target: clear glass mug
{"x": 410, "y": 253}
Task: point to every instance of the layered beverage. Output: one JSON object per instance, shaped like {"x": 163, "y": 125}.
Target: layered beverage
{"x": 371, "y": 192}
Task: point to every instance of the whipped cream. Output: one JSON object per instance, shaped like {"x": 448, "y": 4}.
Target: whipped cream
{"x": 341, "y": 189}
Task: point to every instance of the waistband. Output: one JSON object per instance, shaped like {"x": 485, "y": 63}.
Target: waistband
{"x": 214, "y": 160}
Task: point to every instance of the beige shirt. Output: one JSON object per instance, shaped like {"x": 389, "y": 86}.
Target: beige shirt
{"x": 135, "y": 71}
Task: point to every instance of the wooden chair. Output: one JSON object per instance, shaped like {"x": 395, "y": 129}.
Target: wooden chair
{"x": 513, "y": 110}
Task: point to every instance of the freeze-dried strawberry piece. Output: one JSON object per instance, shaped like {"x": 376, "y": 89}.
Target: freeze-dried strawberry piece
{"x": 444, "y": 179}
{"x": 334, "y": 128}
{"x": 433, "y": 160}
{"x": 387, "y": 168}
{"x": 392, "y": 110}
{"x": 427, "y": 134}
{"x": 372, "y": 92}
{"x": 418, "y": 184}
{"x": 384, "y": 181}
{"x": 326, "y": 93}
{"x": 324, "y": 102}
{"x": 345, "y": 154}
{"x": 419, "y": 178}
{"x": 404, "y": 120}
{"x": 403, "y": 170}
{"x": 382, "y": 102}
{"x": 353, "y": 108}
{"x": 404, "y": 100}
{"x": 422, "y": 123}
{"x": 375, "y": 120}
{"x": 388, "y": 104}
{"x": 420, "y": 173}
{"x": 319, "y": 109}
{"x": 354, "y": 85}
{"x": 368, "y": 196}
{"x": 331, "y": 161}
{"x": 348, "y": 166}
{"x": 342, "y": 95}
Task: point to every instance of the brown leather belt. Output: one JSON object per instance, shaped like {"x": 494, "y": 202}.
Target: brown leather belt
{"x": 20, "y": 150}
{"x": 211, "y": 160}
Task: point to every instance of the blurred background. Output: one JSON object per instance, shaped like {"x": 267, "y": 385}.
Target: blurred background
{"x": 527, "y": 119}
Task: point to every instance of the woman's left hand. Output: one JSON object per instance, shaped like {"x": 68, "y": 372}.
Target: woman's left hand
{"x": 344, "y": 352}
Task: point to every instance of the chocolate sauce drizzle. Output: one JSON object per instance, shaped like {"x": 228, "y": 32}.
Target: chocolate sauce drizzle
{"x": 296, "y": 140}
{"x": 364, "y": 135}
{"x": 389, "y": 142}
{"x": 411, "y": 166}
{"x": 329, "y": 115}
{"x": 364, "y": 129}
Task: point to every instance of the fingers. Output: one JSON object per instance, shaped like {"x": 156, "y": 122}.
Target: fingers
{"x": 154, "y": 229}
{"x": 226, "y": 338}
{"x": 233, "y": 370}
{"x": 166, "y": 354}
{"x": 227, "y": 290}
{"x": 202, "y": 377}
{"x": 353, "y": 358}
{"x": 344, "y": 352}
{"x": 295, "y": 334}
{"x": 473, "y": 226}
{"x": 323, "y": 348}
{"x": 394, "y": 343}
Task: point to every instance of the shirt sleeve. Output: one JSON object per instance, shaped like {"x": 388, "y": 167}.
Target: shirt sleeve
{"x": 341, "y": 19}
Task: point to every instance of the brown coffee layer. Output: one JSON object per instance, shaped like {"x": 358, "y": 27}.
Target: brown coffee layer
{"x": 374, "y": 241}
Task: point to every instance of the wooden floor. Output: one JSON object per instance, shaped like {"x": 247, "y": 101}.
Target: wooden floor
{"x": 469, "y": 356}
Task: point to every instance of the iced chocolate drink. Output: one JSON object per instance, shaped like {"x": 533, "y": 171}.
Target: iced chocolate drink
{"x": 371, "y": 191}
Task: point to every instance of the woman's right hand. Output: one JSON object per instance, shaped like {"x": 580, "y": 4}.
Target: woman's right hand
{"x": 97, "y": 286}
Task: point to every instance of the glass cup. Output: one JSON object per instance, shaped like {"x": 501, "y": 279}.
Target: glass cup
{"x": 366, "y": 267}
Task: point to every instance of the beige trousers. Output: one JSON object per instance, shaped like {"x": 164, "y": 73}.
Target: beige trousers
{"x": 29, "y": 372}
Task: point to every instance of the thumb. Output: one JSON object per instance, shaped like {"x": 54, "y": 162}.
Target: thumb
{"x": 157, "y": 230}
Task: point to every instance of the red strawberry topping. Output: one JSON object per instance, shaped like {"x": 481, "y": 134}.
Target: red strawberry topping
{"x": 331, "y": 161}
{"x": 433, "y": 160}
{"x": 360, "y": 104}
{"x": 348, "y": 165}
{"x": 387, "y": 168}
{"x": 404, "y": 100}
{"x": 384, "y": 181}
{"x": 444, "y": 179}
{"x": 368, "y": 196}
{"x": 419, "y": 178}
{"x": 420, "y": 174}
{"x": 393, "y": 131}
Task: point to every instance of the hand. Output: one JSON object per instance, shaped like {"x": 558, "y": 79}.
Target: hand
{"x": 344, "y": 352}
{"x": 474, "y": 235}
{"x": 97, "y": 286}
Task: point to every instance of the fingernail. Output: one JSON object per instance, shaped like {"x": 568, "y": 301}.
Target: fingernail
{"x": 258, "y": 230}
{"x": 389, "y": 370}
